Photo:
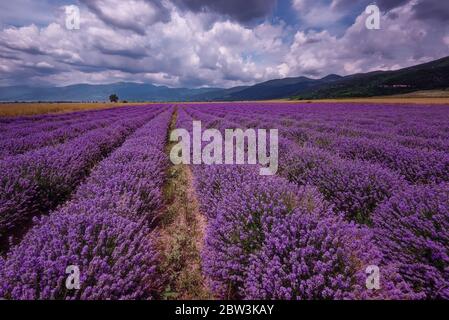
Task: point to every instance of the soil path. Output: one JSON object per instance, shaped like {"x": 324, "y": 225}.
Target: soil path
{"x": 181, "y": 233}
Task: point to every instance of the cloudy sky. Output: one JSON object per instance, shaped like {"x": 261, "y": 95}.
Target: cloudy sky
{"x": 224, "y": 43}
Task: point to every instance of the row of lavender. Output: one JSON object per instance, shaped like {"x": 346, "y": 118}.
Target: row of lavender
{"x": 408, "y": 223}
{"x": 26, "y": 126}
{"x": 20, "y": 140}
{"x": 354, "y": 187}
{"x": 269, "y": 239}
{"x": 415, "y": 164}
{"x": 106, "y": 230}
{"x": 309, "y": 233}
{"x": 37, "y": 181}
{"x": 49, "y": 119}
{"x": 417, "y": 127}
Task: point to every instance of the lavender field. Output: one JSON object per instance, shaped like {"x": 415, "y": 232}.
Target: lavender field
{"x": 358, "y": 186}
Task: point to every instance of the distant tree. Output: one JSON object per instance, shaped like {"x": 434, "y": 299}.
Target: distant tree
{"x": 113, "y": 97}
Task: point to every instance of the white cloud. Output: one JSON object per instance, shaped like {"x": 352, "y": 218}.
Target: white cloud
{"x": 317, "y": 13}
{"x": 446, "y": 40}
{"x": 402, "y": 41}
{"x": 156, "y": 41}
{"x": 183, "y": 50}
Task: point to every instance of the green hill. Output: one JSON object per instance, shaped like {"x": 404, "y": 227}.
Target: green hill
{"x": 428, "y": 76}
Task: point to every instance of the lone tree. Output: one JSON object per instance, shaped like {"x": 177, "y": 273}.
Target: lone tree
{"x": 113, "y": 97}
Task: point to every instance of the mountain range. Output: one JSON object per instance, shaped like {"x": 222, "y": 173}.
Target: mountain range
{"x": 433, "y": 75}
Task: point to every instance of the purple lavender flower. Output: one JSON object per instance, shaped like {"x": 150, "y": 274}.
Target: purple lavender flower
{"x": 104, "y": 230}
{"x": 412, "y": 230}
{"x": 37, "y": 181}
{"x": 243, "y": 217}
{"x": 310, "y": 256}
{"x": 116, "y": 258}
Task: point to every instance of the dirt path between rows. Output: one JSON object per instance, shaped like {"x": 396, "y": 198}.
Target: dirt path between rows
{"x": 181, "y": 234}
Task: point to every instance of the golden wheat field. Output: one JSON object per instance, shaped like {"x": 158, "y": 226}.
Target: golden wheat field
{"x": 24, "y": 109}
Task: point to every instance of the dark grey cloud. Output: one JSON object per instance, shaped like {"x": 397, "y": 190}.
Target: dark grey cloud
{"x": 432, "y": 10}
{"x": 8, "y": 55}
{"x": 136, "y": 18}
{"x": 33, "y": 50}
{"x": 24, "y": 12}
{"x": 386, "y": 5}
{"x": 423, "y": 9}
{"x": 241, "y": 10}
{"x": 130, "y": 53}
{"x": 42, "y": 70}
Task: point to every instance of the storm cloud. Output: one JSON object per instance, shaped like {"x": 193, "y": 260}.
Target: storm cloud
{"x": 216, "y": 43}
{"x": 242, "y": 11}
{"x": 135, "y": 15}
{"x": 432, "y": 10}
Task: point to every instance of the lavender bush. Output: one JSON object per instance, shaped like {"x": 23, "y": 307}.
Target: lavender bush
{"x": 33, "y": 137}
{"x": 357, "y": 185}
{"x": 115, "y": 256}
{"x": 237, "y": 231}
{"x": 308, "y": 255}
{"x": 355, "y": 188}
{"x": 35, "y": 182}
{"x": 104, "y": 230}
{"x": 412, "y": 229}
